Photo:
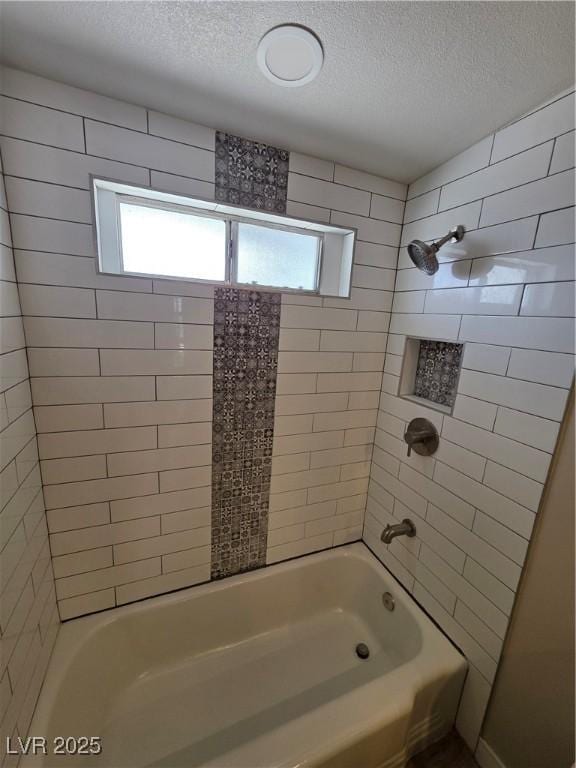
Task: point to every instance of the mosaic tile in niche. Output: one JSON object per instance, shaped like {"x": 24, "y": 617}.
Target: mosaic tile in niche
{"x": 251, "y": 174}
{"x": 246, "y": 332}
{"x": 437, "y": 371}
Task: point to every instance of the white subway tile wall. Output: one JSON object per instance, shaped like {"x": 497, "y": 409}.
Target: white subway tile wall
{"x": 122, "y": 367}
{"x": 507, "y": 292}
{"x": 28, "y": 614}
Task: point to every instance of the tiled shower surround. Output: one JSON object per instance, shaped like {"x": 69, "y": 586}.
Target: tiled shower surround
{"x": 121, "y": 368}
{"x": 28, "y": 614}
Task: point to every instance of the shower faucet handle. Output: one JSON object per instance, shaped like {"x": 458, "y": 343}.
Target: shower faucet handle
{"x": 422, "y": 436}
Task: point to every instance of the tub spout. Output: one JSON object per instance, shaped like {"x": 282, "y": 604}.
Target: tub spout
{"x": 405, "y": 528}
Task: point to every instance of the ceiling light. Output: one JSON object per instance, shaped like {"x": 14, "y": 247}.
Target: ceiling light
{"x": 290, "y": 55}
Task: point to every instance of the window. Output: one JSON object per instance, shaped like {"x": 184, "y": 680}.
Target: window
{"x": 144, "y": 232}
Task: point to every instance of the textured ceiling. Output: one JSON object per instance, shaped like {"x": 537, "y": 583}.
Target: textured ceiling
{"x": 405, "y": 85}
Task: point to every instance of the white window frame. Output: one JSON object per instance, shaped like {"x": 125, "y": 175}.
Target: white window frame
{"x": 336, "y": 244}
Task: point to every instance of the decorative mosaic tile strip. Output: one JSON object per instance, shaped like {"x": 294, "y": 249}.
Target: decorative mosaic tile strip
{"x": 246, "y": 331}
{"x": 251, "y": 174}
{"x": 437, "y": 371}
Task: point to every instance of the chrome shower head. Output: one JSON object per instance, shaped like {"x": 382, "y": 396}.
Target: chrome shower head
{"x": 424, "y": 256}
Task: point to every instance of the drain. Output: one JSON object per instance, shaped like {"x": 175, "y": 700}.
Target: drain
{"x": 362, "y": 651}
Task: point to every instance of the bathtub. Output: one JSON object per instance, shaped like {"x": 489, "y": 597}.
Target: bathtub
{"x": 256, "y": 671}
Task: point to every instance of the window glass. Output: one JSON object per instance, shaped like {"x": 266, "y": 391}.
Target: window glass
{"x": 172, "y": 243}
{"x": 277, "y": 257}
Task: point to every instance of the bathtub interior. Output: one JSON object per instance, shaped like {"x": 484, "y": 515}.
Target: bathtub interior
{"x": 186, "y": 679}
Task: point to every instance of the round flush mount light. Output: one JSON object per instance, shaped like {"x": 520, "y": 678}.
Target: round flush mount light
{"x": 290, "y": 55}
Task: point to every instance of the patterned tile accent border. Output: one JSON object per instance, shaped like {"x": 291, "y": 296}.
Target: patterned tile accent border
{"x": 246, "y": 331}
{"x": 250, "y": 173}
{"x": 437, "y": 371}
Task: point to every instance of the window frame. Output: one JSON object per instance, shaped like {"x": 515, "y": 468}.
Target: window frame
{"x": 208, "y": 208}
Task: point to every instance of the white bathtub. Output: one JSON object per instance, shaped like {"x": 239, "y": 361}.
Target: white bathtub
{"x": 256, "y": 671}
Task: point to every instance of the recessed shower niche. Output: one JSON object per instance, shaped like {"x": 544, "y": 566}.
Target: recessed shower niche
{"x": 430, "y": 372}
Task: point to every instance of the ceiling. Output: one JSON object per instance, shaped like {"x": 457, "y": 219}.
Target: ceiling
{"x": 404, "y": 87}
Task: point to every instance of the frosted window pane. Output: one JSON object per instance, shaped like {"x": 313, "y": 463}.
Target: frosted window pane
{"x": 160, "y": 242}
{"x": 277, "y": 257}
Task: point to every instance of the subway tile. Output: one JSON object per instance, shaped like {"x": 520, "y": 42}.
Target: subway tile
{"x": 68, "y": 332}
{"x": 536, "y": 197}
{"x": 183, "y": 131}
{"x": 311, "y": 166}
{"x": 297, "y": 548}
{"x": 373, "y": 277}
{"x": 363, "y": 298}
{"x": 409, "y": 301}
{"x": 12, "y": 334}
{"x": 547, "y": 333}
{"x": 438, "y": 225}
{"x": 293, "y": 425}
{"x": 186, "y": 519}
{"x": 348, "y": 455}
{"x": 474, "y": 411}
{"x": 373, "y": 321}
{"x": 35, "y": 198}
{"x": 316, "y": 317}
{"x": 472, "y": 707}
{"x": 167, "y": 582}
{"x": 542, "y": 367}
{"x": 497, "y": 300}
{"x": 91, "y": 389}
{"x": 369, "y": 230}
{"x": 306, "y": 189}
{"x": 541, "y": 125}
{"x": 487, "y": 358}
{"x": 134, "y": 414}
{"x": 287, "y": 405}
{"x": 538, "y": 399}
{"x": 32, "y": 88}
{"x": 358, "y": 400}
{"x": 62, "y": 418}
{"x": 530, "y": 430}
{"x": 296, "y": 383}
{"x": 72, "y": 607}
{"x": 160, "y": 503}
{"x": 73, "y": 469}
{"x": 488, "y": 639}
{"x": 106, "y": 577}
{"x": 136, "y": 362}
{"x": 542, "y": 265}
{"x": 348, "y": 382}
{"x": 92, "y": 491}
{"x": 32, "y": 233}
{"x": 179, "y": 185}
{"x": 408, "y": 410}
{"x": 45, "y": 126}
{"x": 120, "y": 144}
{"x": 307, "y": 479}
{"x": 506, "y": 541}
{"x": 172, "y": 435}
{"x": 51, "y": 301}
{"x": 344, "y": 420}
{"x": 59, "y": 166}
{"x": 63, "y": 362}
{"x": 555, "y": 228}
{"x": 183, "y": 387}
{"x": 307, "y": 212}
{"x": 459, "y": 458}
{"x": 427, "y": 326}
{"x": 337, "y": 491}
{"x": 422, "y": 206}
{"x": 387, "y": 209}
{"x": 86, "y": 443}
{"x": 136, "y": 462}
{"x": 511, "y": 514}
{"x": 188, "y": 559}
{"x": 296, "y": 340}
{"x": 73, "y": 518}
{"x": 438, "y": 495}
{"x": 472, "y": 159}
{"x": 520, "y": 169}
{"x": 74, "y": 271}
{"x": 299, "y": 515}
{"x": 509, "y": 453}
{"x": 352, "y": 341}
{"x": 359, "y": 436}
{"x": 373, "y": 255}
{"x": 399, "y": 490}
{"x": 513, "y": 485}
{"x": 81, "y": 562}
{"x": 549, "y": 299}
{"x": 451, "y": 275}
{"x": 131, "y": 551}
{"x": 563, "y": 155}
{"x": 368, "y": 361}
{"x": 114, "y": 305}
{"x": 182, "y": 479}
{"x": 490, "y": 586}
{"x": 321, "y": 362}
{"x": 287, "y": 444}
{"x": 181, "y": 336}
{"x": 285, "y": 534}
{"x": 363, "y": 180}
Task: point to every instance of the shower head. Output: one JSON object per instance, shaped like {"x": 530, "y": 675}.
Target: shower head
{"x": 423, "y": 255}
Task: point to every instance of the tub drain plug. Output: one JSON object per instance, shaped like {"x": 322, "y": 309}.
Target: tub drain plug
{"x": 362, "y": 651}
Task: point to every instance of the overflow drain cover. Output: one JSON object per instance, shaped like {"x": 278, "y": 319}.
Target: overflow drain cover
{"x": 362, "y": 651}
